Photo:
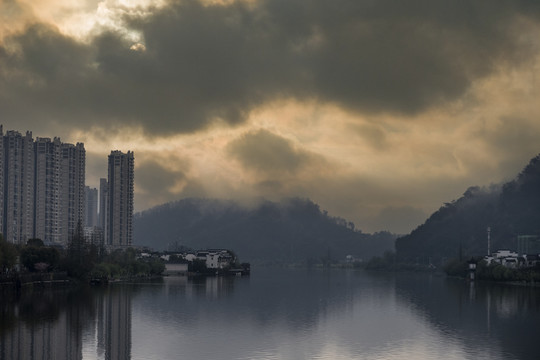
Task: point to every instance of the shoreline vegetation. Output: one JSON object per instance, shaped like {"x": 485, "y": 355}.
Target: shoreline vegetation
{"x": 493, "y": 272}
{"x": 460, "y": 269}
{"x": 80, "y": 262}
{"x": 36, "y": 264}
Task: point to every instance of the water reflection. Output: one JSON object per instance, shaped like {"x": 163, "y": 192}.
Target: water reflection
{"x": 111, "y": 327}
{"x": 57, "y": 323}
{"x": 275, "y": 314}
{"x": 504, "y": 316}
{"x": 44, "y": 324}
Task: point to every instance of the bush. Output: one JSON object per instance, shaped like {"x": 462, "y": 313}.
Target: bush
{"x": 454, "y": 267}
{"x": 32, "y": 255}
{"x": 8, "y": 255}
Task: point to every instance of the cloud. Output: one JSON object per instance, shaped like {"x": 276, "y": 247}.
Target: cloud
{"x": 218, "y": 62}
{"x": 270, "y": 155}
{"x": 156, "y": 179}
{"x": 400, "y": 220}
{"x": 157, "y": 184}
{"x": 96, "y": 168}
{"x": 361, "y": 105}
{"x": 372, "y": 134}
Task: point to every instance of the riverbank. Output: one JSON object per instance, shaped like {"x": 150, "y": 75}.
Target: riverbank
{"x": 18, "y": 281}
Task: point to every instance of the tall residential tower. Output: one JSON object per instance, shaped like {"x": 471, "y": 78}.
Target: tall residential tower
{"x": 120, "y": 200}
{"x": 41, "y": 188}
{"x": 18, "y": 187}
{"x": 91, "y": 207}
{"x": 103, "y": 207}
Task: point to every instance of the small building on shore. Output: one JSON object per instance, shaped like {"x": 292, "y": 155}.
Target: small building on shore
{"x": 176, "y": 269}
{"x": 209, "y": 261}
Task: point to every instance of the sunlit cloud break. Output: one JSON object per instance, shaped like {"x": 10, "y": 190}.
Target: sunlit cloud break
{"x": 378, "y": 111}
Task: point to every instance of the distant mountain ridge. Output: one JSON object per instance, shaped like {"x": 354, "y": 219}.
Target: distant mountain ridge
{"x": 295, "y": 230}
{"x": 459, "y": 228}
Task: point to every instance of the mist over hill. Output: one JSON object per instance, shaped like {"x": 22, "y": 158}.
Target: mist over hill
{"x": 294, "y": 230}
{"x": 459, "y": 228}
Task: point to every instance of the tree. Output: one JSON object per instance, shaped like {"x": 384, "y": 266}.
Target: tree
{"x": 157, "y": 267}
{"x": 77, "y": 245}
{"x": 44, "y": 255}
{"x": 78, "y": 262}
{"x": 197, "y": 266}
{"x": 35, "y": 242}
{"x": 8, "y": 255}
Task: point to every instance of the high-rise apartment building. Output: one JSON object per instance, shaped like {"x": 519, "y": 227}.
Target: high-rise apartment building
{"x": 103, "y": 207}
{"x": 47, "y": 204}
{"x": 120, "y": 199}
{"x": 41, "y": 188}
{"x": 91, "y": 207}
{"x": 18, "y": 186}
{"x": 2, "y": 162}
{"x": 72, "y": 195}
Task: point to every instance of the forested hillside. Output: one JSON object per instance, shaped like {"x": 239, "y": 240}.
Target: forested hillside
{"x": 295, "y": 230}
{"x": 459, "y": 228}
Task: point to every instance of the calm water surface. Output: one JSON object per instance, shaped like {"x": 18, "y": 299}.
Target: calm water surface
{"x": 276, "y": 314}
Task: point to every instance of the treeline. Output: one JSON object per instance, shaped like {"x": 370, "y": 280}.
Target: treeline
{"x": 292, "y": 231}
{"x": 458, "y": 268}
{"x": 493, "y": 272}
{"x": 459, "y": 228}
{"x": 390, "y": 262}
{"x": 80, "y": 260}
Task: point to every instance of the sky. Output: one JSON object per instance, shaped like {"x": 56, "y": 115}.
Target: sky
{"x": 379, "y": 111}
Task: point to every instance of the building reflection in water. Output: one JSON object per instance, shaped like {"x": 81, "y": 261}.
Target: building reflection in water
{"x": 48, "y": 340}
{"x": 208, "y": 287}
{"x": 43, "y": 324}
{"x": 66, "y": 324}
{"x": 115, "y": 325}
{"x": 109, "y": 337}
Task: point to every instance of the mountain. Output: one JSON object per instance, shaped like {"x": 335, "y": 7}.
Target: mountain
{"x": 290, "y": 231}
{"x": 459, "y": 228}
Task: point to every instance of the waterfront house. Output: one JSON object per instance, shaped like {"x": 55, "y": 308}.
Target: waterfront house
{"x": 218, "y": 259}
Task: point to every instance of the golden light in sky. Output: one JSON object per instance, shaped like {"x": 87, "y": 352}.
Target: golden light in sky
{"x": 377, "y": 112}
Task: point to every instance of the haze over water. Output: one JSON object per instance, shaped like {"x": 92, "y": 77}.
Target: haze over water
{"x": 276, "y": 314}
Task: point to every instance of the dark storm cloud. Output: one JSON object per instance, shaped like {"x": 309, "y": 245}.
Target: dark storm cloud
{"x": 204, "y": 63}
{"x": 157, "y": 184}
{"x": 153, "y": 178}
{"x": 270, "y": 155}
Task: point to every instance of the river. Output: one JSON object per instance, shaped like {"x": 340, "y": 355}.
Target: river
{"x": 275, "y": 314}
